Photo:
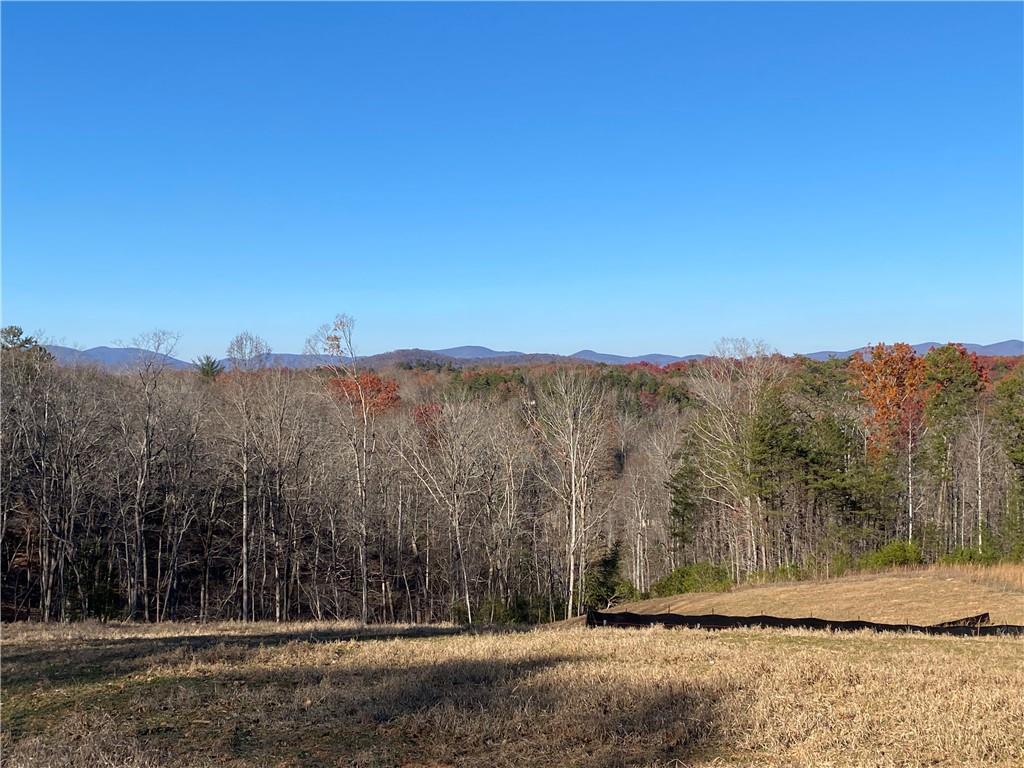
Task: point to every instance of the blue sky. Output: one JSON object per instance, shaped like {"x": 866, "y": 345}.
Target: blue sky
{"x": 629, "y": 178}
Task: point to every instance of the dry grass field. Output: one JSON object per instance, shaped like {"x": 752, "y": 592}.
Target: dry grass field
{"x": 341, "y": 695}
{"x": 915, "y": 595}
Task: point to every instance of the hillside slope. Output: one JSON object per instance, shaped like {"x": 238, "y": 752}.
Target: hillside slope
{"x": 919, "y": 596}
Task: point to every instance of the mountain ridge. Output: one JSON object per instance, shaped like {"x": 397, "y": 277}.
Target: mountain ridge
{"x": 116, "y": 358}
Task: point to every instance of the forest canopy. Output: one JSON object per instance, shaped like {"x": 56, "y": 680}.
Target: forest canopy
{"x": 241, "y": 491}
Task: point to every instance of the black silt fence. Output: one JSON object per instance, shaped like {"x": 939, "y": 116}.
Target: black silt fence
{"x": 970, "y": 626}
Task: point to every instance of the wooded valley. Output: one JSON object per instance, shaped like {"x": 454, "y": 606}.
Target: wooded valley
{"x": 489, "y": 494}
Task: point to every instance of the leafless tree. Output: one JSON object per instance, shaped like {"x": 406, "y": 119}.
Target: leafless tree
{"x": 247, "y": 354}
{"x": 356, "y": 408}
{"x": 421, "y": 493}
{"x": 444, "y": 451}
{"x": 570, "y": 416}
{"x": 731, "y": 387}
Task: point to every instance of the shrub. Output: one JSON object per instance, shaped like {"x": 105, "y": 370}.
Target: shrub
{"x": 894, "y": 553}
{"x": 699, "y": 577}
{"x": 971, "y": 556}
{"x": 842, "y": 563}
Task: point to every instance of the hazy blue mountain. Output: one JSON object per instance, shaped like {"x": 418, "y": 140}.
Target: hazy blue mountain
{"x": 600, "y": 357}
{"x": 653, "y": 358}
{"x": 486, "y": 353}
{"x": 828, "y": 355}
{"x": 1008, "y": 348}
{"x": 658, "y": 359}
{"x": 120, "y": 358}
{"x": 285, "y": 360}
{"x": 65, "y": 355}
{"x": 382, "y": 360}
{"x": 114, "y": 358}
{"x": 474, "y": 353}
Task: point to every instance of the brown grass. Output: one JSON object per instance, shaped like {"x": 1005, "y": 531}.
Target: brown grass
{"x": 915, "y": 595}
{"x": 85, "y": 740}
{"x": 339, "y": 695}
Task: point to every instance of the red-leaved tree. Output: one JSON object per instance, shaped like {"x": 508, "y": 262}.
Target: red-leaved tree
{"x": 890, "y": 379}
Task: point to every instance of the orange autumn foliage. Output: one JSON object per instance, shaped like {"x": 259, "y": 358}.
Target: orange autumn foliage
{"x": 890, "y": 380}
{"x": 379, "y": 395}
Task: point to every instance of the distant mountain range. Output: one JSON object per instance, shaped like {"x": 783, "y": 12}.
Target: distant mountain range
{"x": 1008, "y": 348}
{"x": 116, "y": 358}
{"x": 109, "y": 357}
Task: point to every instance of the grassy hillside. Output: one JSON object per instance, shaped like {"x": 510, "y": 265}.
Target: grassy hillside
{"x": 918, "y": 595}
{"x": 317, "y": 695}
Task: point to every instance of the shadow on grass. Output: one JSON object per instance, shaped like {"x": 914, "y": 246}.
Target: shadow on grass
{"x": 392, "y": 708}
{"x": 96, "y": 658}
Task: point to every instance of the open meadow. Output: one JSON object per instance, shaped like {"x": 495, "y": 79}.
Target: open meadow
{"x": 305, "y": 694}
{"x": 511, "y": 385}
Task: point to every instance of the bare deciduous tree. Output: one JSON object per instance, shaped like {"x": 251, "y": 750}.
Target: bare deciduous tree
{"x": 569, "y": 416}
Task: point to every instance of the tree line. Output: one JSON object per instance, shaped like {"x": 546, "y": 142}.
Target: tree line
{"x": 423, "y": 493}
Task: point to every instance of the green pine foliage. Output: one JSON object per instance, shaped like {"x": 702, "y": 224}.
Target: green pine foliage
{"x": 893, "y": 554}
{"x": 208, "y": 368}
{"x": 605, "y": 585}
{"x": 699, "y": 577}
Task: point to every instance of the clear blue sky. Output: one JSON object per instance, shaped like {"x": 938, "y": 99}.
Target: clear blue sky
{"x": 629, "y": 178}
